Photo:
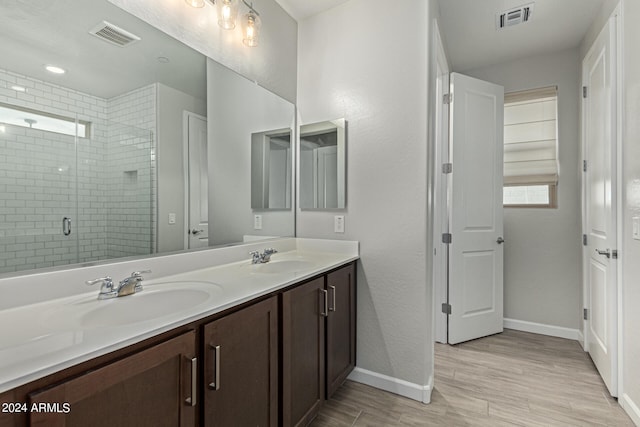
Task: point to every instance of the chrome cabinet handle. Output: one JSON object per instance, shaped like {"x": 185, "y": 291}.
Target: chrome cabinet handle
{"x": 325, "y": 311}
{"x": 66, "y": 226}
{"x": 605, "y": 253}
{"x": 215, "y": 385}
{"x": 333, "y": 298}
{"x": 500, "y": 240}
{"x": 194, "y": 382}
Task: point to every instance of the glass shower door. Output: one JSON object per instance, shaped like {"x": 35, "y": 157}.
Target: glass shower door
{"x": 38, "y": 207}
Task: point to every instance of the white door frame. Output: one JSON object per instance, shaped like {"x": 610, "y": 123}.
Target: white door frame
{"x": 440, "y": 210}
{"x": 185, "y": 169}
{"x": 616, "y": 33}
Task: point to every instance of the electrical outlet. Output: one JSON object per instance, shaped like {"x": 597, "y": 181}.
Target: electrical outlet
{"x": 635, "y": 225}
{"x": 172, "y": 219}
{"x": 257, "y": 222}
{"x": 338, "y": 224}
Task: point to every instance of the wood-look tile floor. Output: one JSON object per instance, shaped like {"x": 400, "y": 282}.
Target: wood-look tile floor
{"x": 513, "y": 378}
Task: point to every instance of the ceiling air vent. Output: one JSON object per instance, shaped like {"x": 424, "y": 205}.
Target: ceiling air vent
{"x": 514, "y": 16}
{"x": 113, "y": 34}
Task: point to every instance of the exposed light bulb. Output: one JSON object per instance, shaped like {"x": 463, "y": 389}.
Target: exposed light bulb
{"x": 251, "y": 28}
{"x": 227, "y": 12}
{"x": 195, "y": 3}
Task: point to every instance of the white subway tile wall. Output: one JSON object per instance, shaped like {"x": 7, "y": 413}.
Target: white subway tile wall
{"x": 110, "y": 203}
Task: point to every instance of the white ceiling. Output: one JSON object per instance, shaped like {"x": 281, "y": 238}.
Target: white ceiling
{"x": 301, "y": 9}
{"x": 38, "y": 32}
{"x": 472, "y": 41}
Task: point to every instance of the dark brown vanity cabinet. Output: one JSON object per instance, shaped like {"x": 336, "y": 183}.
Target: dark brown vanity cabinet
{"x": 155, "y": 387}
{"x": 341, "y": 327}
{"x": 241, "y": 367}
{"x": 318, "y": 341}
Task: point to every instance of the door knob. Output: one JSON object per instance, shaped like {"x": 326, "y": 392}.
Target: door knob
{"x": 196, "y": 231}
{"x": 605, "y": 253}
{"x": 500, "y": 240}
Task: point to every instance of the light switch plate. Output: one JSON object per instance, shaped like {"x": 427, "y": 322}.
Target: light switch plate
{"x": 338, "y": 224}
{"x": 172, "y": 219}
{"x": 257, "y": 222}
{"x": 635, "y": 225}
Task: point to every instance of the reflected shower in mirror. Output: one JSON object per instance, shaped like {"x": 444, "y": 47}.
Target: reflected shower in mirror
{"x": 271, "y": 170}
{"x": 122, "y": 185}
{"x": 323, "y": 165}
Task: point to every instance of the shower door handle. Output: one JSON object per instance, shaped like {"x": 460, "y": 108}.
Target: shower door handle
{"x": 66, "y": 226}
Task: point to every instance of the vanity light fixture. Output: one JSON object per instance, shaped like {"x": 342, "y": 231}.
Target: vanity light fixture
{"x": 55, "y": 70}
{"x": 227, "y": 14}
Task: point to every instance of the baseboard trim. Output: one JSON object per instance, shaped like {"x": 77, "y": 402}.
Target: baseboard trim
{"x": 542, "y": 329}
{"x": 393, "y": 385}
{"x": 630, "y": 408}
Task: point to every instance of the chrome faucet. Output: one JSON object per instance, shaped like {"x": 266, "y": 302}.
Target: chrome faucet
{"x": 128, "y": 286}
{"x": 261, "y": 258}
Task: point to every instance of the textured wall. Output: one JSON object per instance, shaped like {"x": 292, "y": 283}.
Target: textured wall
{"x": 367, "y": 62}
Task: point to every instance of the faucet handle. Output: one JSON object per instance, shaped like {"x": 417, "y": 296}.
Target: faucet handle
{"x": 270, "y": 251}
{"x": 140, "y": 273}
{"x": 106, "y": 288}
{"x": 256, "y": 257}
{"x": 104, "y": 281}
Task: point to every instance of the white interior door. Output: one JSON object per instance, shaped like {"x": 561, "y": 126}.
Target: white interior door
{"x": 475, "y": 215}
{"x": 197, "y": 181}
{"x": 600, "y": 205}
{"x": 327, "y": 177}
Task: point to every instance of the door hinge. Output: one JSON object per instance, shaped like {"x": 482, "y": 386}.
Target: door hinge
{"x": 614, "y": 254}
{"x": 584, "y": 166}
{"x": 446, "y": 238}
{"x": 585, "y": 314}
{"x": 584, "y": 240}
{"x": 447, "y": 98}
{"x": 447, "y": 167}
{"x": 584, "y": 91}
{"x": 446, "y": 308}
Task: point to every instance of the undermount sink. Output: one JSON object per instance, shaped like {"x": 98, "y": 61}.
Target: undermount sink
{"x": 282, "y": 266}
{"x": 153, "y": 302}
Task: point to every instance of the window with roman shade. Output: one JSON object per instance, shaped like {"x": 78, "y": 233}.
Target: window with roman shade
{"x": 530, "y": 147}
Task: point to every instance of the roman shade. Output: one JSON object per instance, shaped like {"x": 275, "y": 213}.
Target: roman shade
{"x": 530, "y": 137}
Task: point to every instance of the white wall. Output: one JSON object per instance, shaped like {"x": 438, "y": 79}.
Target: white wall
{"x": 630, "y": 253}
{"x": 368, "y": 62}
{"x": 272, "y": 63}
{"x": 171, "y": 105}
{"x": 237, "y": 108}
{"x": 542, "y": 260}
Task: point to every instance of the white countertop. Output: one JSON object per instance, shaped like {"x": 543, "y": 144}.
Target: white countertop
{"x": 44, "y": 337}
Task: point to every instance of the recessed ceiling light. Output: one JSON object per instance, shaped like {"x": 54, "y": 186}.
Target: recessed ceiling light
{"x": 55, "y": 70}
{"x": 19, "y": 88}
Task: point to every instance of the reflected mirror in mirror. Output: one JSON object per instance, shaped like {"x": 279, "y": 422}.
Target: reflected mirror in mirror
{"x": 323, "y": 165}
{"x": 244, "y": 112}
{"x": 271, "y": 170}
{"x": 120, "y": 189}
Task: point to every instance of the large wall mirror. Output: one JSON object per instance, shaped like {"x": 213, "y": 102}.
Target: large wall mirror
{"x": 111, "y": 158}
{"x": 323, "y": 165}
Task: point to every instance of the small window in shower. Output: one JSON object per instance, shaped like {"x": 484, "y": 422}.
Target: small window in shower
{"x": 25, "y": 117}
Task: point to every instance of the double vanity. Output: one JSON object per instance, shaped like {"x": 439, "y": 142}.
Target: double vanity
{"x": 212, "y": 337}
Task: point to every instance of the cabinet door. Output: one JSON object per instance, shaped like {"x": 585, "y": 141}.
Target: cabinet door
{"x": 151, "y": 388}
{"x": 303, "y": 352}
{"x": 241, "y": 367}
{"x": 341, "y": 327}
